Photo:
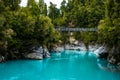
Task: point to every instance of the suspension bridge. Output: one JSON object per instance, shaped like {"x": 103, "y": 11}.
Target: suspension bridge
{"x": 66, "y": 29}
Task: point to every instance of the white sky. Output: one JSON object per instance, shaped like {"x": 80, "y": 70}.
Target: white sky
{"x": 57, "y": 2}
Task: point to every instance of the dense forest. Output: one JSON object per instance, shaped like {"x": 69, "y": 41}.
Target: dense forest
{"x": 22, "y": 28}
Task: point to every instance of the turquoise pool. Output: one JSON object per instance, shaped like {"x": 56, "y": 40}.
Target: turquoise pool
{"x": 67, "y": 65}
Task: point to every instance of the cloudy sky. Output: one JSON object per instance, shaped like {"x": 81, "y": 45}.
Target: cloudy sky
{"x": 58, "y": 2}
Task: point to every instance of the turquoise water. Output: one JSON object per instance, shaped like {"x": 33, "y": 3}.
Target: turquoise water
{"x": 67, "y": 65}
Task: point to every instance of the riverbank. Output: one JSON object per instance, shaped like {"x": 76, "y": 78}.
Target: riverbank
{"x": 112, "y": 55}
{"x": 37, "y": 53}
{"x": 101, "y": 51}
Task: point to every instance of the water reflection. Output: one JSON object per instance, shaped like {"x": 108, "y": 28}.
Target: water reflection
{"x": 104, "y": 65}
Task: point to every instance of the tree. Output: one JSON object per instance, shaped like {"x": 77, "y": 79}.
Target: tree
{"x": 110, "y": 25}
{"x": 53, "y": 13}
{"x": 2, "y": 6}
{"x": 33, "y": 7}
{"x": 44, "y": 27}
{"x": 2, "y": 38}
{"x": 45, "y": 9}
{"x": 41, "y": 6}
{"x": 12, "y": 4}
{"x": 21, "y": 29}
{"x": 63, "y": 7}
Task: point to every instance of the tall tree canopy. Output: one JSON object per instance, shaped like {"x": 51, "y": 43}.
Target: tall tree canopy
{"x": 21, "y": 28}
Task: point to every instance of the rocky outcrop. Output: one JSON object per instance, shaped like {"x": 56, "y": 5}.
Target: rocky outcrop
{"x": 114, "y": 59}
{"x": 100, "y": 50}
{"x": 114, "y": 56}
{"x": 57, "y": 49}
{"x": 80, "y": 47}
{"x": 38, "y": 53}
{"x": 2, "y": 58}
{"x": 103, "y": 55}
{"x": 34, "y": 55}
{"x": 46, "y": 53}
{"x": 102, "y": 64}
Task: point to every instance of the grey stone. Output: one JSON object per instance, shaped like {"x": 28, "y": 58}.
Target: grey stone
{"x": 2, "y": 58}
{"x": 118, "y": 64}
{"x": 36, "y": 56}
{"x": 46, "y": 53}
{"x": 39, "y": 53}
{"x": 112, "y": 60}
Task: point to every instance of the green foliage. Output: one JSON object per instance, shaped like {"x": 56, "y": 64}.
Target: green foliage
{"x": 53, "y": 13}
{"x": 23, "y": 28}
{"x": 37, "y": 8}
{"x": 2, "y": 6}
{"x": 2, "y": 22}
{"x": 12, "y": 4}
{"x": 84, "y": 14}
{"x": 109, "y": 27}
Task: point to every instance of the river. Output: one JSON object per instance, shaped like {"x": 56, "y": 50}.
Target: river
{"x": 66, "y": 65}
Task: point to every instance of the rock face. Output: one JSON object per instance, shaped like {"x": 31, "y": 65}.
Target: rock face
{"x": 58, "y": 49}
{"x": 102, "y": 64}
{"x": 38, "y": 53}
{"x": 1, "y": 58}
{"x": 34, "y": 55}
{"x": 46, "y": 53}
{"x": 114, "y": 59}
{"x": 100, "y": 50}
{"x": 114, "y": 56}
{"x": 103, "y": 55}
